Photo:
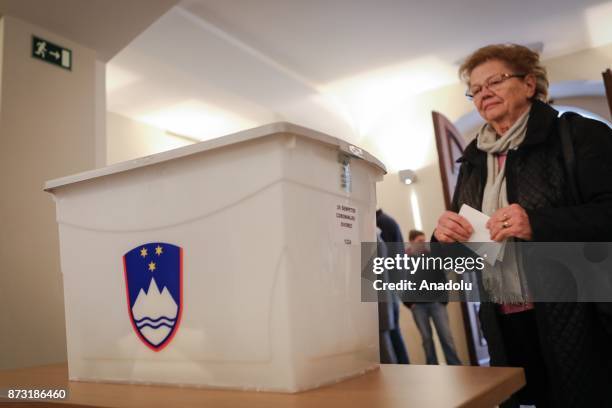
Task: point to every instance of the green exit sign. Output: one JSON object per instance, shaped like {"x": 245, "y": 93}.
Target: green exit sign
{"x": 52, "y": 53}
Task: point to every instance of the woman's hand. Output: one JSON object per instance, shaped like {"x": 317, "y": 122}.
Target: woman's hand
{"x": 452, "y": 228}
{"x": 511, "y": 221}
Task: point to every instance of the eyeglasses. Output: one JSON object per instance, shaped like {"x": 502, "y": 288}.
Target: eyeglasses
{"x": 493, "y": 83}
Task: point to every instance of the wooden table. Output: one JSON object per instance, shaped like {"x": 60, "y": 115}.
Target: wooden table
{"x": 391, "y": 386}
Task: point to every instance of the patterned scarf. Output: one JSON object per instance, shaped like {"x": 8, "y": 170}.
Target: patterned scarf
{"x": 505, "y": 281}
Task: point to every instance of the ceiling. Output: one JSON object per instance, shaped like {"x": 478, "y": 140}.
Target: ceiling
{"x": 328, "y": 40}
{"x": 210, "y": 67}
{"x": 102, "y": 25}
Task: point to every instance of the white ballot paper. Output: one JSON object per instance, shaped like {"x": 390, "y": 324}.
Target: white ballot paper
{"x": 480, "y": 241}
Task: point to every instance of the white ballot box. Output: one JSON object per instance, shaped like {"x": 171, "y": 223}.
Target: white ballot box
{"x": 230, "y": 263}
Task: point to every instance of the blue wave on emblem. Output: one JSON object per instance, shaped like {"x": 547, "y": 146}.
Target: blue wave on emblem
{"x": 152, "y": 320}
{"x": 155, "y": 327}
{"x": 155, "y": 324}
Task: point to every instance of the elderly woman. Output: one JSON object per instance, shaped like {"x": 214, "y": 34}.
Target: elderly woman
{"x": 515, "y": 172}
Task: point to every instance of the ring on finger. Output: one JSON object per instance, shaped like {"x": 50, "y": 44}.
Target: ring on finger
{"x": 506, "y": 224}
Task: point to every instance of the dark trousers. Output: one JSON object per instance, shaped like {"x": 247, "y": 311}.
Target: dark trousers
{"x": 522, "y": 343}
{"x": 396, "y": 338}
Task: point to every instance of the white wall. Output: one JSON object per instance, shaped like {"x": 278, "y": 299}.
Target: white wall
{"x": 581, "y": 65}
{"x": 100, "y": 113}
{"x": 594, "y": 104}
{"x": 128, "y": 139}
{"x": 46, "y": 131}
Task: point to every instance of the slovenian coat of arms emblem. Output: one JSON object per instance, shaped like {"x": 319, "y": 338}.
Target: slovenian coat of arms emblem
{"x": 154, "y": 288}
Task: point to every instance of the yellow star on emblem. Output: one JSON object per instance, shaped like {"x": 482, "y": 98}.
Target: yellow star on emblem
{"x": 143, "y": 252}
{"x": 159, "y": 250}
{"x": 152, "y": 266}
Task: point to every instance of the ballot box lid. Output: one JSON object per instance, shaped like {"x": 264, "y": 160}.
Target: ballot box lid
{"x": 239, "y": 137}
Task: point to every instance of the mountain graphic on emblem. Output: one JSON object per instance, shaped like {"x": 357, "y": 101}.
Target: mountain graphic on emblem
{"x": 155, "y": 313}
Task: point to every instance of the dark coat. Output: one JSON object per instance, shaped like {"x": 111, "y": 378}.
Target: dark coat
{"x": 575, "y": 346}
{"x": 390, "y": 233}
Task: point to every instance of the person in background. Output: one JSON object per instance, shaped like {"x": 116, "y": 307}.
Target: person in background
{"x": 392, "y": 236}
{"x": 386, "y": 318}
{"x": 425, "y": 312}
{"x": 515, "y": 172}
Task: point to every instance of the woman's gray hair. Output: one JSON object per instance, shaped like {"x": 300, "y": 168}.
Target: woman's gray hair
{"x": 520, "y": 58}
